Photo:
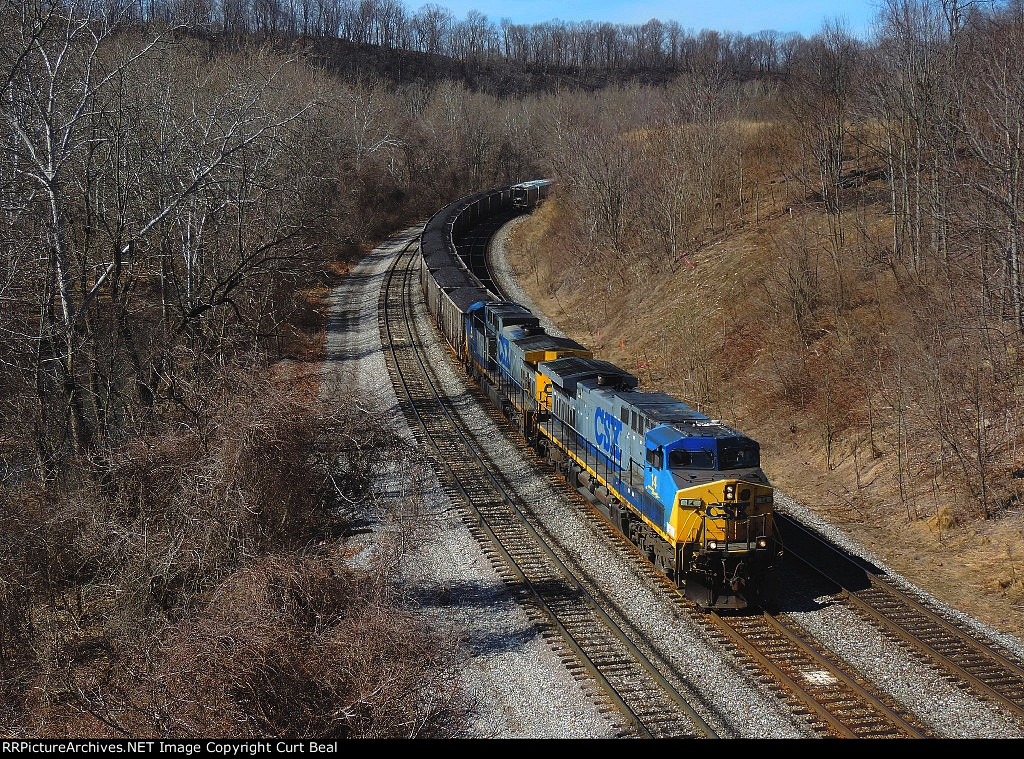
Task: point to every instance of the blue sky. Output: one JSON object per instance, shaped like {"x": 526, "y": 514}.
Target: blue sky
{"x": 744, "y": 16}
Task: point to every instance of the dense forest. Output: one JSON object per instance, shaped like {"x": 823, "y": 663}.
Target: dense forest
{"x": 835, "y": 223}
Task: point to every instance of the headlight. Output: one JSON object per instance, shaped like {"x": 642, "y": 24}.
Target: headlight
{"x": 712, "y": 545}
{"x": 762, "y": 542}
{"x": 730, "y": 492}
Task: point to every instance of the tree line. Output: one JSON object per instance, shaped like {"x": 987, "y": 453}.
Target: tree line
{"x": 890, "y": 312}
{"x": 178, "y": 193}
{"x": 434, "y": 30}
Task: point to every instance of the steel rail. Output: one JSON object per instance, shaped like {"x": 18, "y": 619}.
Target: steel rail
{"x": 592, "y": 668}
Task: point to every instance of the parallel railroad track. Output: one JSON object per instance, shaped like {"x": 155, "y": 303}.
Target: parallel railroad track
{"x": 966, "y": 656}
{"x": 594, "y": 647}
{"x": 832, "y": 700}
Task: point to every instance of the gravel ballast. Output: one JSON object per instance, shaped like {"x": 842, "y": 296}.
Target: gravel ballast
{"x": 520, "y": 685}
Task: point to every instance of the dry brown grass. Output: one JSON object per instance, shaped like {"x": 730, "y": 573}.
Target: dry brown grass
{"x": 804, "y": 391}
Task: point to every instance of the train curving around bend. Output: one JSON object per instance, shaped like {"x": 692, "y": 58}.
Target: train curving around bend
{"x": 686, "y": 489}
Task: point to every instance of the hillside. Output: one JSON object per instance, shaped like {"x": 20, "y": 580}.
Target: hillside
{"x": 709, "y": 329}
{"x": 817, "y": 240}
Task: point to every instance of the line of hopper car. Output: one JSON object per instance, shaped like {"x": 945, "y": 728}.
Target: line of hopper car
{"x": 688, "y": 490}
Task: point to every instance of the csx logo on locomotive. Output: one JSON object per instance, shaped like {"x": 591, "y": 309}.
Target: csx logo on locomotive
{"x": 606, "y": 431}
{"x": 726, "y": 511}
{"x": 504, "y": 352}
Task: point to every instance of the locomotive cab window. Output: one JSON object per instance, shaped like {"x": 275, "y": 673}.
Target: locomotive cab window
{"x": 741, "y": 458}
{"x": 680, "y": 459}
{"x": 656, "y": 458}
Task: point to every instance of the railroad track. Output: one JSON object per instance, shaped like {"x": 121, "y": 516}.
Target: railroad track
{"x": 832, "y": 700}
{"x": 590, "y": 642}
{"x": 963, "y": 655}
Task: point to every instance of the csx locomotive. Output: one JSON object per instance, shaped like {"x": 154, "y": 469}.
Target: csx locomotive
{"x": 686, "y": 489}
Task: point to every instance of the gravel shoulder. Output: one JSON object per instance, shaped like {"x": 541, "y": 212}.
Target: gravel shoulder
{"x": 908, "y": 681}
{"x": 521, "y": 688}
{"x": 519, "y": 683}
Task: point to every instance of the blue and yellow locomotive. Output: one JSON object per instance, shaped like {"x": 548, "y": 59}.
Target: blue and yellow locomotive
{"x": 688, "y": 490}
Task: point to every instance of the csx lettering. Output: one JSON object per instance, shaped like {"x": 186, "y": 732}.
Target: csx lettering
{"x": 503, "y": 352}
{"x": 725, "y": 511}
{"x": 606, "y": 430}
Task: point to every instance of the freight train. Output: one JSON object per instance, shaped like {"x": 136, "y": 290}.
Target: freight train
{"x": 686, "y": 489}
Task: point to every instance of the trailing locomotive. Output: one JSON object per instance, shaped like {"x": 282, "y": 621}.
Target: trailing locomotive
{"x": 688, "y": 490}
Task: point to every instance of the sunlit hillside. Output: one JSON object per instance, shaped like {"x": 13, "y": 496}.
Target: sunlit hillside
{"x": 882, "y": 396}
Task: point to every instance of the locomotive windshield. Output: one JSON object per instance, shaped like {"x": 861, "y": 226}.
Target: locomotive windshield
{"x": 680, "y": 459}
{"x": 743, "y": 457}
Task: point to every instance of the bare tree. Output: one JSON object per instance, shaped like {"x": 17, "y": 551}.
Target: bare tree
{"x": 991, "y": 121}
{"x": 820, "y": 111}
{"x": 58, "y": 76}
